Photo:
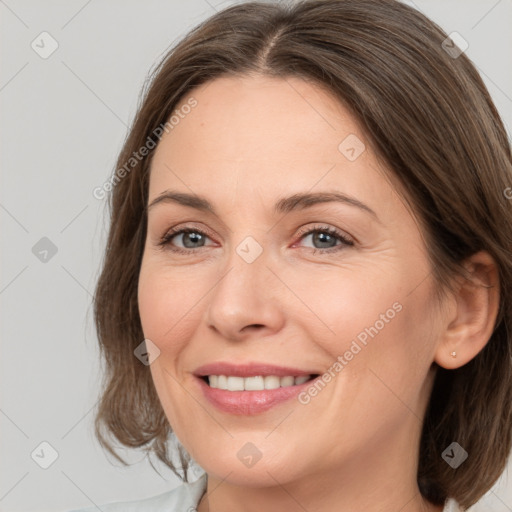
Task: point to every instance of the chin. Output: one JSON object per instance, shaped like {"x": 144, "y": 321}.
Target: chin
{"x": 237, "y": 468}
{"x": 255, "y": 477}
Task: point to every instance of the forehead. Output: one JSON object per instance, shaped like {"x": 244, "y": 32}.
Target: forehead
{"x": 236, "y": 115}
{"x": 271, "y": 136}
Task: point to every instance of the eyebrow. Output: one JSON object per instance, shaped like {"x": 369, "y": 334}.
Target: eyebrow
{"x": 284, "y": 205}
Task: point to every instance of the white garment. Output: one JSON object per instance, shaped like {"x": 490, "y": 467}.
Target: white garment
{"x": 184, "y": 498}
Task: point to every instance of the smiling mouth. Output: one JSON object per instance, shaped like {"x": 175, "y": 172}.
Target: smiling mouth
{"x": 255, "y": 383}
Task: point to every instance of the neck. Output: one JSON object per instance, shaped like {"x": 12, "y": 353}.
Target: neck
{"x": 372, "y": 480}
{"x": 326, "y": 495}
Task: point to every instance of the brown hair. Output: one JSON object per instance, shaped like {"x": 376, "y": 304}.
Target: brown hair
{"x": 428, "y": 116}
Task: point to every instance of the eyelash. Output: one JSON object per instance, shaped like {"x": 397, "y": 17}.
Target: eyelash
{"x": 165, "y": 241}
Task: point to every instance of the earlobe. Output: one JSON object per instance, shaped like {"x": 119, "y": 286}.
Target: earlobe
{"x": 471, "y": 324}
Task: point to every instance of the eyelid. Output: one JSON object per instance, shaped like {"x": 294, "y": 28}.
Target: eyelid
{"x": 179, "y": 229}
{"x": 345, "y": 241}
{"x": 190, "y": 226}
{"x": 327, "y": 229}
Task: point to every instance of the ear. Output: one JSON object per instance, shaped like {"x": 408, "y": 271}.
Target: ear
{"x": 471, "y": 322}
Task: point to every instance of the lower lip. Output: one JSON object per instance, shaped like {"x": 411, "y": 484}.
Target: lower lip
{"x": 248, "y": 403}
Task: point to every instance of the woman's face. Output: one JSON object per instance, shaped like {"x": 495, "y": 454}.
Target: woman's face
{"x": 306, "y": 263}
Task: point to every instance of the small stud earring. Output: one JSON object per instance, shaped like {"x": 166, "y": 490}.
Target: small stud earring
{"x": 453, "y": 354}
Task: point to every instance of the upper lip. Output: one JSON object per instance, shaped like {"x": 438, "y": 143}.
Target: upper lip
{"x": 248, "y": 370}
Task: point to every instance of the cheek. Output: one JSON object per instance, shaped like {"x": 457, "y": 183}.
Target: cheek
{"x": 168, "y": 303}
{"x": 168, "y": 318}
{"x": 345, "y": 304}
{"x": 376, "y": 323}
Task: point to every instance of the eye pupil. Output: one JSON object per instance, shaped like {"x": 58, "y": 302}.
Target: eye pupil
{"x": 322, "y": 238}
{"x": 192, "y": 236}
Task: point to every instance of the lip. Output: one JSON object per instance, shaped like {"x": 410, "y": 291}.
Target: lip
{"x": 249, "y": 370}
{"x": 248, "y": 403}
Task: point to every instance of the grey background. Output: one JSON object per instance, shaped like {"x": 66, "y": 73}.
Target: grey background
{"x": 64, "y": 120}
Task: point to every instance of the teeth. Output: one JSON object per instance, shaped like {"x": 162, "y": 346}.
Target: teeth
{"x": 287, "y": 381}
{"x": 235, "y": 384}
{"x": 252, "y": 383}
{"x": 301, "y": 380}
{"x": 257, "y": 383}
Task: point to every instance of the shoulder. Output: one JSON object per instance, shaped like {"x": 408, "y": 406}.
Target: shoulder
{"x": 451, "y": 506}
{"x": 183, "y": 498}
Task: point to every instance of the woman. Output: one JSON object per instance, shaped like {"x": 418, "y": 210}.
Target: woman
{"x": 307, "y": 278}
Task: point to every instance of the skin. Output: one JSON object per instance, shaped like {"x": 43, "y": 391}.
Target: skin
{"x": 249, "y": 142}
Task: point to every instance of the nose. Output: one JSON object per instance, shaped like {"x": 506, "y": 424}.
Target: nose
{"x": 245, "y": 301}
